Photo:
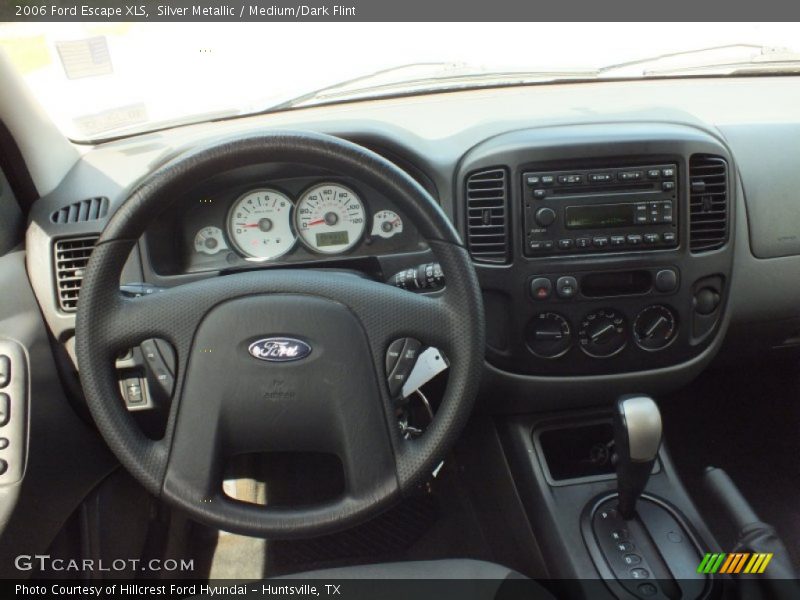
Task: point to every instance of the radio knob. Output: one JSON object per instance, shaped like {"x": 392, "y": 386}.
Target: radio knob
{"x": 545, "y": 216}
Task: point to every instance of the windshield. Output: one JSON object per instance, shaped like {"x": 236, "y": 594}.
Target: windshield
{"x": 100, "y": 80}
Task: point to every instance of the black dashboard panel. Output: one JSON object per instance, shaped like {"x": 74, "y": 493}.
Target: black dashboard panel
{"x": 439, "y": 139}
{"x": 614, "y": 294}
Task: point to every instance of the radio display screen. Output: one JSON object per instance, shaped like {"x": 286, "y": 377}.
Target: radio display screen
{"x": 598, "y": 216}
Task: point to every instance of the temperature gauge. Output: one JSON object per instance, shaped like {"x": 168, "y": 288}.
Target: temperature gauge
{"x": 386, "y": 224}
{"x": 209, "y": 240}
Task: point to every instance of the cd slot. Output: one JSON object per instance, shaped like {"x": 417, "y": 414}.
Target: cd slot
{"x": 616, "y": 283}
{"x": 593, "y": 189}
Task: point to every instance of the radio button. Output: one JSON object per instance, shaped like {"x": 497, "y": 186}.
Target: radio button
{"x": 566, "y": 287}
{"x": 570, "y": 179}
{"x": 641, "y": 218}
{"x": 667, "y": 186}
{"x": 617, "y": 240}
{"x": 653, "y": 173}
{"x": 600, "y": 177}
{"x": 536, "y": 245}
{"x": 539, "y": 194}
{"x": 583, "y": 242}
{"x": 565, "y": 244}
{"x": 668, "y": 172}
{"x": 545, "y": 216}
{"x": 630, "y": 175}
{"x": 547, "y": 245}
{"x": 668, "y": 237}
{"x": 651, "y": 238}
{"x": 634, "y": 239}
{"x": 547, "y": 179}
{"x": 532, "y": 180}
{"x": 600, "y": 242}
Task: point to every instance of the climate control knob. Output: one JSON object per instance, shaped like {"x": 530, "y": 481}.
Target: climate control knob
{"x": 603, "y": 333}
{"x": 545, "y": 216}
{"x": 548, "y": 335}
{"x": 655, "y": 327}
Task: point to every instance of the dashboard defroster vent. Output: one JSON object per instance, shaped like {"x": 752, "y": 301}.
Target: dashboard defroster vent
{"x": 91, "y": 209}
{"x": 708, "y": 203}
{"x": 71, "y": 257}
{"x": 487, "y": 216}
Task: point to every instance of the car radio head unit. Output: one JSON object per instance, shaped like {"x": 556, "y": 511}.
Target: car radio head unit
{"x": 597, "y": 210}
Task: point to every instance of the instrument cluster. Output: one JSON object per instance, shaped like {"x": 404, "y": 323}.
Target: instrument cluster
{"x": 278, "y": 220}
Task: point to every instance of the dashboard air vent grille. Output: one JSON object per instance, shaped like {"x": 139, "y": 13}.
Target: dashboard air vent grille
{"x": 79, "y": 212}
{"x": 71, "y": 257}
{"x": 487, "y": 220}
{"x": 708, "y": 203}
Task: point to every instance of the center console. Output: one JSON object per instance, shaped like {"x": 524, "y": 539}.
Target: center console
{"x": 601, "y": 250}
{"x": 605, "y": 503}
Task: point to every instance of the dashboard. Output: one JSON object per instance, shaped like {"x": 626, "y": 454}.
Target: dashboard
{"x": 625, "y": 234}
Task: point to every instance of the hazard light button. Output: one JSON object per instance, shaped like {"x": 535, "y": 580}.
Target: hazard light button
{"x": 541, "y": 288}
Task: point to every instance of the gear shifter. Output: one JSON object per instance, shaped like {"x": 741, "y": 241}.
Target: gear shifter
{"x": 637, "y": 437}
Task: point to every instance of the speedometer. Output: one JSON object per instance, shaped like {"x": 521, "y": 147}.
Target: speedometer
{"x": 260, "y": 224}
{"x": 330, "y": 218}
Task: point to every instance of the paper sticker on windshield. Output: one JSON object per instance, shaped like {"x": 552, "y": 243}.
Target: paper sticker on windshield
{"x": 113, "y": 118}
{"x": 89, "y": 57}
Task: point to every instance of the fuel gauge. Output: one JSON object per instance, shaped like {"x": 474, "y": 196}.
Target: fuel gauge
{"x": 386, "y": 223}
{"x": 209, "y": 240}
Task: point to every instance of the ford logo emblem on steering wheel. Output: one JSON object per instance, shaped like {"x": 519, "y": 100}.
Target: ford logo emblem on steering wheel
{"x": 279, "y": 349}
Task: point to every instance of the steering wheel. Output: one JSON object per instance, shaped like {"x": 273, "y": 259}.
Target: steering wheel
{"x": 228, "y": 402}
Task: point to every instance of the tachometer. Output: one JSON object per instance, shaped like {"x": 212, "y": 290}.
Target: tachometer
{"x": 330, "y": 218}
{"x": 260, "y": 224}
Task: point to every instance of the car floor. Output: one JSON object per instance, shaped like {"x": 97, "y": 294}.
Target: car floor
{"x": 745, "y": 420}
{"x": 437, "y": 521}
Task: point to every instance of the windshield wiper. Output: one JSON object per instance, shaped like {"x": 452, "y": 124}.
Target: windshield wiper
{"x": 437, "y": 76}
{"x": 731, "y": 59}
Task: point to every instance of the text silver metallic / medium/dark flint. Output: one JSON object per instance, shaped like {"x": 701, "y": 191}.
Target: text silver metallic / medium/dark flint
{"x": 279, "y": 349}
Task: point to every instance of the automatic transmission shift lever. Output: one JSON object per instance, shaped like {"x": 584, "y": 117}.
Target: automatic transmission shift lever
{"x": 637, "y": 437}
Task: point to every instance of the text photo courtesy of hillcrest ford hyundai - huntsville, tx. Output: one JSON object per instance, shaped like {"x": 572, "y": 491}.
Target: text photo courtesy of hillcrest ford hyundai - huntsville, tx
{"x": 399, "y": 300}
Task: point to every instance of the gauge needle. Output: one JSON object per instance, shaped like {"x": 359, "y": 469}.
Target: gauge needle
{"x": 598, "y": 334}
{"x": 251, "y": 225}
{"x": 316, "y": 222}
{"x": 652, "y": 331}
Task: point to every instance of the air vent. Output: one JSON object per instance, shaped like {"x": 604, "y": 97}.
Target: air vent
{"x": 71, "y": 257}
{"x": 79, "y": 212}
{"x": 708, "y": 203}
{"x": 487, "y": 222}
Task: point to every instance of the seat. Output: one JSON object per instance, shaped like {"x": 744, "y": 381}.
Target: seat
{"x": 466, "y": 579}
